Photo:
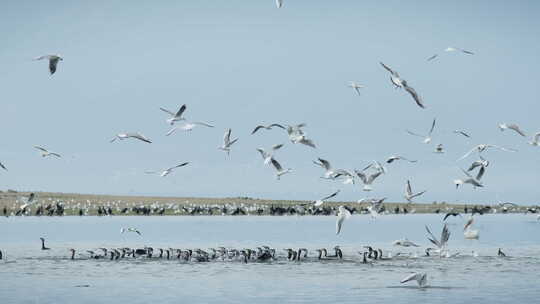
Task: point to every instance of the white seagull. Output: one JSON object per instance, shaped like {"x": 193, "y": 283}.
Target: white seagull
{"x": 409, "y": 195}
{"x": 268, "y": 127}
{"x": 45, "y": 152}
{"x": 122, "y": 230}
{"x": 474, "y": 181}
{"x": 319, "y": 202}
{"x": 419, "y": 277}
{"x": 188, "y": 126}
{"x": 513, "y": 127}
{"x": 356, "y": 86}
{"x": 397, "y": 157}
{"x": 296, "y": 135}
{"x": 483, "y": 147}
{"x": 343, "y": 214}
{"x": 439, "y": 149}
{"x": 348, "y": 176}
{"x": 367, "y": 180}
{"x": 440, "y": 244}
{"x": 402, "y": 83}
{"x": 175, "y": 116}
{"x": 329, "y": 172}
{"x": 135, "y": 135}
{"x": 53, "y": 61}
{"x": 279, "y": 169}
{"x": 267, "y": 156}
{"x": 227, "y": 142}
{"x": 451, "y": 49}
{"x": 470, "y": 233}
{"x": 167, "y": 171}
{"x": 427, "y": 138}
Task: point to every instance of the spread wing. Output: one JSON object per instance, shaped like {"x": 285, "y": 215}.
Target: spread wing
{"x": 276, "y": 165}
{"x": 389, "y": 69}
{"x": 414, "y": 95}
{"x": 167, "y": 111}
{"x": 41, "y": 148}
{"x": 432, "y": 127}
{"x": 432, "y": 57}
{"x": 181, "y": 111}
{"x": 330, "y": 196}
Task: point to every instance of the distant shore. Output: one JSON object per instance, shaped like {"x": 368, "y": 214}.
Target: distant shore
{"x": 48, "y": 203}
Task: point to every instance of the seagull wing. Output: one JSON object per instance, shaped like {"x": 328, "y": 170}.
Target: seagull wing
{"x": 414, "y": 134}
{"x": 276, "y": 165}
{"x": 53, "y": 62}
{"x": 517, "y": 129}
{"x": 203, "y": 124}
{"x": 3, "y": 167}
{"x": 389, "y": 69}
{"x": 462, "y": 133}
{"x": 433, "y": 239}
{"x": 466, "y": 52}
{"x": 432, "y": 57}
{"x": 307, "y": 142}
{"x": 409, "y": 190}
{"x": 171, "y": 131}
{"x": 180, "y": 111}
{"x": 41, "y": 148}
{"x": 330, "y": 196}
{"x": 167, "y": 111}
{"x": 139, "y": 137}
{"x": 257, "y": 128}
{"x": 414, "y": 95}
{"x": 361, "y": 175}
{"x": 178, "y": 166}
{"x": 276, "y": 125}
{"x": 467, "y": 154}
{"x": 325, "y": 164}
{"x": 55, "y": 154}
{"x": 373, "y": 176}
{"x": 480, "y": 173}
{"x": 227, "y": 137}
{"x": 432, "y": 127}
{"x": 413, "y": 276}
{"x": 277, "y": 147}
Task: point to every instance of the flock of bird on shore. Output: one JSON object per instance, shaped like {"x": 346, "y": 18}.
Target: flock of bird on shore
{"x": 296, "y": 134}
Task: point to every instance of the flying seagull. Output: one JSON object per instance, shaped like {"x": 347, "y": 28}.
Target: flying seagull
{"x": 460, "y": 132}
{"x": 419, "y": 277}
{"x": 479, "y": 163}
{"x": 268, "y": 127}
{"x": 267, "y": 156}
{"x": 402, "y": 83}
{"x": 139, "y": 136}
{"x": 319, "y": 202}
{"x": 427, "y": 138}
{"x": 483, "y": 147}
{"x": 329, "y": 172}
{"x": 470, "y": 233}
{"x": 188, "y": 126}
{"x": 346, "y": 174}
{"x": 175, "y": 116}
{"x": 227, "y": 142}
{"x": 279, "y": 169}
{"x": 397, "y": 157}
{"x": 45, "y": 152}
{"x": 451, "y": 49}
{"x": 513, "y": 127}
{"x": 167, "y": 171}
{"x": 474, "y": 181}
{"x": 343, "y": 214}
{"x": 53, "y": 61}
{"x": 367, "y": 180}
{"x": 297, "y": 136}
{"x": 122, "y": 230}
{"x": 439, "y": 149}
{"x": 356, "y": 86}
{"x": 409, "y": 195}
{"x": 441, "y": 244}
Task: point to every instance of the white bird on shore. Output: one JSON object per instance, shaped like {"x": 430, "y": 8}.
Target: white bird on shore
{"x": 513, "y": 127}
{"x": 122, "y": 230}
{"x": 419, "y": 277}
{"x": 279, "y": 169}
{"x": 474, "y": 181}
{"x": 535, "y": 140}
{"x": 329, "y": 171}
{"x": 409, "y": 195}
{"x": 167, "y": 171}
{"x": 319, "y": 202}
{"x": 268, "y": 127}
{"x": 404, "y": 243}
{"x": 135, "y": 135}
{"x": 356, "y": 86}
{"x": 440, "y": 244}
{"x": 267, "y": 156}
{"x": 343, "y": 214}
{"x": 227, "y": 142}
{"x": 402, "y": 83}
{"x": 188, "y": 126}
{"x": 45, "y": 152}
{"x": 483, "y": 147}
{"x": 427, "y": 138}
{"x": 175, "y": 116}
{"x": 368, "y": 180}
{"x": 397, "y": 157}
{"x": 53, "y": 61}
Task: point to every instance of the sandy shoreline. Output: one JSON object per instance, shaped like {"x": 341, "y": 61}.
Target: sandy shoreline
{"x": 91, "y": 204}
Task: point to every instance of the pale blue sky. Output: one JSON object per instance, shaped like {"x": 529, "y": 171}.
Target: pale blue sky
{"x": 239, "y": 63}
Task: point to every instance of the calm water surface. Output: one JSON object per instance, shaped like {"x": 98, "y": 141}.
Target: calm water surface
{"x": 30, "y": 275}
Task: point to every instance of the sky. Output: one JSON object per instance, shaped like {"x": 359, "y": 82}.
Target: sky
{"x": 237, "y": 64}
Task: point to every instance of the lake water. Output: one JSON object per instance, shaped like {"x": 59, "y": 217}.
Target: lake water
{"x": 30, "y": 275}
